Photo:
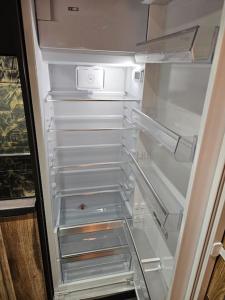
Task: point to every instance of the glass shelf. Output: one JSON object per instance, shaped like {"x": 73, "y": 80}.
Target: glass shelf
{"x": 87, "y": 123}
{"x": 73, "y": 96}
{"x": 186, "y": 46}
{"x": 66, "y": 139}
{"x": 91, "y": 207}
{"x": 89, "y": 156}
{"x": 183, "y": 148}
{"x": 83, "y": 178}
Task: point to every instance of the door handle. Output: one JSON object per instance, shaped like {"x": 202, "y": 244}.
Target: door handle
{"x": 218, "y": 249}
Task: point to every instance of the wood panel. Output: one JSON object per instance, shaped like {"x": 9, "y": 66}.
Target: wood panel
{"x": 21, "y": 240}
{"x": 6, "y": 285}
{"x": 216, "y": 289}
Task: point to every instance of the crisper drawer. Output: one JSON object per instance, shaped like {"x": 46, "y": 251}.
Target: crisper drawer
{"x": 92, "y": 266}
{"x": 93, "y": 250}
{"x": 104, "y": 255}
{"x": 92, "y": 237}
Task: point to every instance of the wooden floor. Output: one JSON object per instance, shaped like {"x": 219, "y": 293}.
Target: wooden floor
{"x": 20, "y": 258}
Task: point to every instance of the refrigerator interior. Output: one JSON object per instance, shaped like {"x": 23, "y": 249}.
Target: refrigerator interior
{"x": 120, "y": 141}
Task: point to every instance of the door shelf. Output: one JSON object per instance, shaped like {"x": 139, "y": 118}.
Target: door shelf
{"x": 185, "y": 46}
{"x": 167, "y": 213}
{"x": 92, "y": 207}
{"x": 183, "y": 148}
{"x": 150, "y": 265}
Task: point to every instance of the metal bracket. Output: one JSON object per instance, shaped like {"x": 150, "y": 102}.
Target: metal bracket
{"x": 217, "y": 249}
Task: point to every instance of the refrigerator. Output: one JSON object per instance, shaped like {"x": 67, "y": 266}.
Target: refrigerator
{"x": 129, "y": 120}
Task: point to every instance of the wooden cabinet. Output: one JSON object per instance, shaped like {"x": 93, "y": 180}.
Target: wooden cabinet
{"x": 21, "y": 271}
{"x": 7, "y": 291}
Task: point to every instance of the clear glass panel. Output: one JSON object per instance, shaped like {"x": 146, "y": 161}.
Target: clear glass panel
{"x": 16, "y": 174}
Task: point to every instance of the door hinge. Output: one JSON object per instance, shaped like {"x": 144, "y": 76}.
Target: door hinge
{"x": 217, "y": 249}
